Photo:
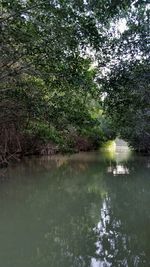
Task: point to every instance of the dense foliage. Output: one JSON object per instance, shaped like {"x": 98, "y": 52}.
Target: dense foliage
{"x": 46, "y": 84}
{"x": 49, "y": 88}
{"x": 127, "y": 86}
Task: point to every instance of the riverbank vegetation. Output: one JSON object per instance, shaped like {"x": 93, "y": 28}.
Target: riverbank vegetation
{"x": 71, "y": 78}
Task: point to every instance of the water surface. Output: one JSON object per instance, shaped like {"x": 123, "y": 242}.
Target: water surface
{"x": 85, "y": 210}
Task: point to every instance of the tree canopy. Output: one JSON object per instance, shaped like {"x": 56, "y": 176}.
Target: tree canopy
{"x": 47, "y": 52}
{"x": 127, "y": 85}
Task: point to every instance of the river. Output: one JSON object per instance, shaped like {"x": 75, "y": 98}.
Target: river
{"x": 84, "y": 210}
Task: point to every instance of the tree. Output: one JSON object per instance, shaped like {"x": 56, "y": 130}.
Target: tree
{"x": 127, "y": 85}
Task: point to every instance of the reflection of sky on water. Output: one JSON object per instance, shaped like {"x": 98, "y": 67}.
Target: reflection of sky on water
{"x": 101, "y": 231}
{"x": 111, "y": 240}
{"x": 118, "y": 169}
{"x": 123, "y": 228}
{"x": 97, "y": 263}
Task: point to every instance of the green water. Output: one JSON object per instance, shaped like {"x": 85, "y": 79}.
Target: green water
{"x": 86, "y": 210}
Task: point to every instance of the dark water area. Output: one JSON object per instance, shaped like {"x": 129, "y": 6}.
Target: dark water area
{"x": 85, "y": 210}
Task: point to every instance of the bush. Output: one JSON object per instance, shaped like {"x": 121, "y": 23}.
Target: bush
{"x": 45, "y": 132}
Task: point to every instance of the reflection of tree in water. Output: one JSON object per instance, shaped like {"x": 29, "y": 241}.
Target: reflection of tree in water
{"x": 70, "y": 208}
{"x": 82, "y": 215}
{"x": 113, "y": 243}
{"x": 123, "y": 230}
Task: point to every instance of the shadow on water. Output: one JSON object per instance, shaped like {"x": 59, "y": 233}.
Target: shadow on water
{"x": 84, "y": 210}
